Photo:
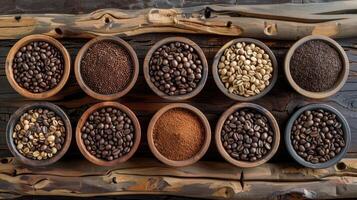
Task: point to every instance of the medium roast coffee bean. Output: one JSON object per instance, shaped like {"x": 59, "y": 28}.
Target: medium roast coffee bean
{"x": 175, "y": 68}
{"x": 108, "y": 133}
{"x": 39, "y": 134}
{"x": 247, "y": 135}
{"x": 317, "y": 136}
{"x": 38, "y": 66}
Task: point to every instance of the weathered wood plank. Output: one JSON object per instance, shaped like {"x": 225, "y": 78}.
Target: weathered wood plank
{"x": 203, "y": 179}
{"x": 334, "y": 19}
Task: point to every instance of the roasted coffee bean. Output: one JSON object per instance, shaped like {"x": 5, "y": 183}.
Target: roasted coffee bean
{"x": 38, "y": 66}
{"x": 247, "y": 135}
{"x": 112, "y": 133}
{"x": 175, "y": 68}
{"x": 39, "y": 134}
{"x": 315, "y": 136}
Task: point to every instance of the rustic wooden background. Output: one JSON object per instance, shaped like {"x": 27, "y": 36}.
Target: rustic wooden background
{"x": 282, "y": 101}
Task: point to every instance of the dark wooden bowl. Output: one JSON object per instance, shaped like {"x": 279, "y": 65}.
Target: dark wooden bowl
{"x": 274, "y": 125}
{"x": 10, "y": 59}
{"x": 341, "y": 80}
{"x": 16, "y": 117}
{"x": 217, "y": 78}
{"x": 204, "y": 147}
{"x": 202, "y": 56}
{"x": 83, "y": 119}
{"x": 345, "y": 128}
{"x": 86, "y": 88}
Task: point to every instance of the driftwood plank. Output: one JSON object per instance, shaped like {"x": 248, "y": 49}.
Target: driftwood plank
{"x": 204, "y": 179}
{"x": 334, "y": 19}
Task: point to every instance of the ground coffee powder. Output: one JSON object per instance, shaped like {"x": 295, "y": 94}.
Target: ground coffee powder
{"x": 178, "y": 134}
{"x": 315, "y": 66}
{"x": 106, "y": 67}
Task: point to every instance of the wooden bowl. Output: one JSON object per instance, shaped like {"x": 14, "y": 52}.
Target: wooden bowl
{"x": 341, "y": 80}
{"x": 346, "y": 130}
{"x": 86, "y": 88}
{"x": 274, "y": 125}
{"x": 204, "y": 147}
{"x": 15, "y": 118}
{"x": 202, "y": 56}
{"x": 217, "y": 78}
{"x": 83, "y": 119}
{"x": 10, "y": 58}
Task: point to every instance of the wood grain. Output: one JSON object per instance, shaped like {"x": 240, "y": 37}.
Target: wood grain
{"x": 334, "y": 19}
{"x": 204, "y": 179}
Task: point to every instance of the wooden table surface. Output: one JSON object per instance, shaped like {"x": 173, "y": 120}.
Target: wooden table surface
{"x": 282, "y": 101}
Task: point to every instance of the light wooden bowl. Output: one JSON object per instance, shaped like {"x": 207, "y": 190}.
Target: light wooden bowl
{"x": 16, "y": 117}
{"x": 10, "y": 59}
{"x": 274, "y": 125}
{"x": 341, "y": 80}
{"x": 217, "y": 78}
{"x": 206, "y": 143}
{"x": 86, "y": 88}
{"x": 146, "y": 68}
{"x": 82, "y": 146}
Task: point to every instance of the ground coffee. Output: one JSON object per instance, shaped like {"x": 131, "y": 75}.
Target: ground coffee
{"x": 178, "y": 134}
{"x": 107, "y": 67}
{"x": 315, "y": 66}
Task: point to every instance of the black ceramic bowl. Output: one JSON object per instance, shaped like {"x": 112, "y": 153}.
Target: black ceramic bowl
{"x": 345, "y": 128}
{"x": 16, "y": 117}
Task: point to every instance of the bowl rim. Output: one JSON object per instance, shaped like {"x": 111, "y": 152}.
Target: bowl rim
{"x": 86, "y": 88}
{"x": 200, "y": 53}
{"x": 10, "y": 59}
{"x": 195, "y": 158}
{"x": 16, "y": 116}
{"x": 221, "y": 86}
{"x": 338, "y": 85}
{"x": 345, "y": 127}
{"x": 85, "y": 116}
{"x": 273, "y": 124}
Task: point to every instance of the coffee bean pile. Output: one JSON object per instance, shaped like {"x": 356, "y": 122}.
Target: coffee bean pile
{"x": 39, "y": 134}
{"x": 247, "y": 135}
{"x": 176, "y": 68}
{"x": 108, "y": 133}
{"x": 38, "y": 67}
{"x": 317, "y": 136}
{"x": 245, "y": 69}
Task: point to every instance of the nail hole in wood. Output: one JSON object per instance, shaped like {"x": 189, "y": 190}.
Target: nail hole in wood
{"x": 107, "y": 20}
{"x": 207, "y": 12}
{"x": 114, "y": 180}
{"x": 341, "y": 166}
{"x": 4, "y": 161}
{"x": 59, "y": 31}
{"x": 17, "y": 17}
{"x": 229, "y": 24}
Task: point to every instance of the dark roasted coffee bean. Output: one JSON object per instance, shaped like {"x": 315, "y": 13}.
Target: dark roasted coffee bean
{"x": 112, "y": 133}
{"x": 173, "y": 71}
{"x": 247, "y": 135}
{"x": 32, "y": 66}
{"x": 315, "y": 131}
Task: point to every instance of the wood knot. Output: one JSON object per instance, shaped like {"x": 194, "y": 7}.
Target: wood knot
{"x": 163, "y": 16}
{"x": 270, "y": 29}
